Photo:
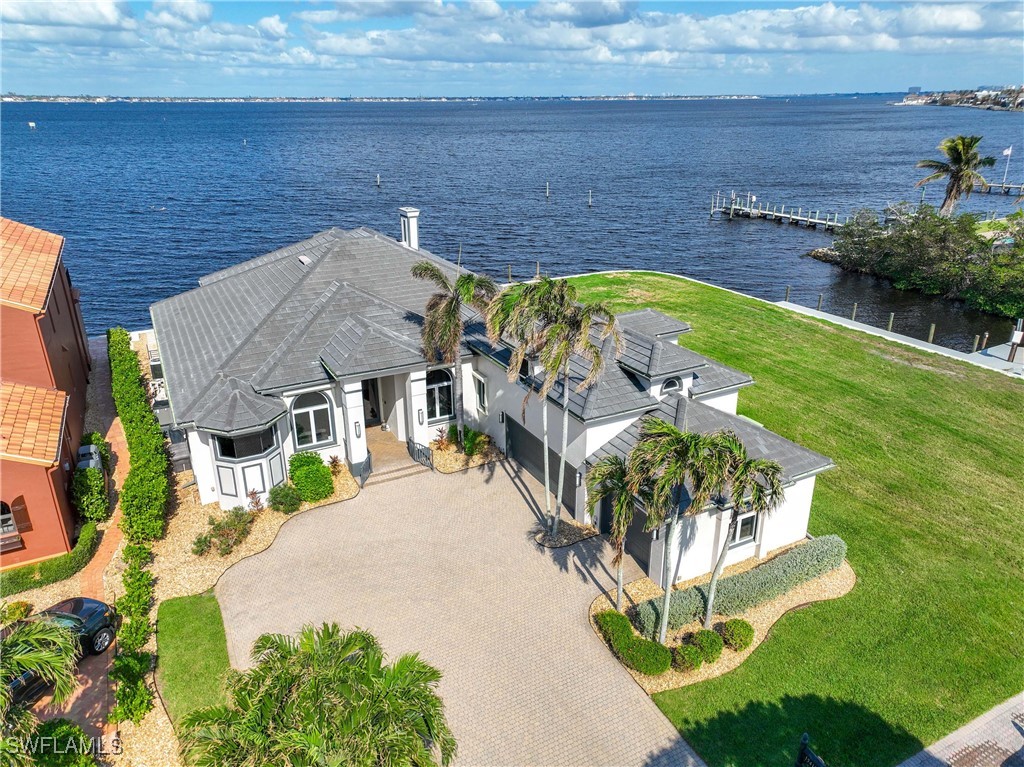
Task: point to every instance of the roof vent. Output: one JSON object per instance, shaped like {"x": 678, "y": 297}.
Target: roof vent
{"x": 305, "y": 260}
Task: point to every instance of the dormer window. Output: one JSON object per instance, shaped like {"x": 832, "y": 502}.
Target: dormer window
{"x": 670, "y": 385}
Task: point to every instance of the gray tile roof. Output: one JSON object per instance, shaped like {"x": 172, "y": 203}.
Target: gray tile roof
{"x": 655, "y": 358}
{"x": 273, "y": 323}
{"x": 693, "y": 416}
{"x": 715, "y": 377}
{"x": 650, "y": 322}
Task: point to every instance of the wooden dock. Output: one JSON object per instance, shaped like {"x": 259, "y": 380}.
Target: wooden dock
{"x": 1017, "y": 189}
{"x": 733, "y": 206}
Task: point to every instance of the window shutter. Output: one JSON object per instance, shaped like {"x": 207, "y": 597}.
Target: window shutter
{"x": 20, "y": 513}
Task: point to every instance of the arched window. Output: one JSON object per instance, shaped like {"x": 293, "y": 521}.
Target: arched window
{"x": 6, "y": 519}
{"x": 439, "y": 395}
{"x": 311, "y": 420}
{"x": 670, "y": 385}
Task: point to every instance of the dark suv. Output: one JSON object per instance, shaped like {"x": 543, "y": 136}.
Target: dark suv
{"x": 94, "y": 623}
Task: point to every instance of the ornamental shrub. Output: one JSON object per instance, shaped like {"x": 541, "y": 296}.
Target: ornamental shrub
{"x": 132, "y": 698}
{"x": 133, "y": 634}
{"x": 55, "y": 569}
{"x": 230, "y": 530}
{"x": 306, "y": 458}
{"x": 138, "y": 592}
{"x": 60, "y": 743}
{"x": 640, "y": 654}
{"x": 285, "y": 498}
{"x": 685, "y": 607}
{"x": 89, "y": 494}
{"x": 709, "y": 643}
{"x": 201, "y": 545}
{"x": 686, "y": 657}
{"x": 137, "y": 554}
{"x": 472, "y": 442}
{"x": 146, "y": 489}
{"x": 314, "y": 483}
{"x": 95, "y": 438}
{"x": 15, "y": 611}
{"x": 737, "y": 634}
{"x": 741, "y": 592}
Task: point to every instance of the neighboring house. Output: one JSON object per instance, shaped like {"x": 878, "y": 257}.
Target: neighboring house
{"x": 44, "y": 370}
{"x": 311, "y": 346}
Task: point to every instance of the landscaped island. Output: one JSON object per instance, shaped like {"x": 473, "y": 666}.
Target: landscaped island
{"x": 926, "y": 496}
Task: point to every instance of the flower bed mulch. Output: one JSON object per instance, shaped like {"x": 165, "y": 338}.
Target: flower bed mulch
{"x": 831, "y": 585}
{"x": 450, "y": 459}
{"x": 569, "y": 532}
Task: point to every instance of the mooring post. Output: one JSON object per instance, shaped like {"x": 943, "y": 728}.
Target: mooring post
{"x": 510, "y": 274}
{"x": 590, "y": 199}
{"x": 821, "y": 297}
{"x": 984, "y": 340}
{"x": 787, "y": 293}
{"x": 892, "y": 316}
{"x": 547, "y": 190}
{"x": 853, "y": 316}
{"x": 931, "y": 333}
{"x": 538, "y": 270}
{"x": 974, "y": 348}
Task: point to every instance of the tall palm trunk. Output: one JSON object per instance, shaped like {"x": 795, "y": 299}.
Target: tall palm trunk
{"x": 949, "y": 203}
{"x": 670, "y": 546}
{"x": 547, "y": 462}
{"x": 618, "y": 585}
{"x": 460, "y": 409}
{"x": 719, "y": 565}
{"x": 565, "y": 446}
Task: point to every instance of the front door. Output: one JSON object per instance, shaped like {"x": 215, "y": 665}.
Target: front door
{"x": 371, "y": 402}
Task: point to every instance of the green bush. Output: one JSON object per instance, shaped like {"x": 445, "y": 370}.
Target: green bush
{"x": 306, "y": 458}
{"x": 709, "y": 643}
{"x": 89, "y": 494}
{"x": 62, "y": 744}
{"x": 132, "y": 697}
{"x": 138, "y": 592}
{"x": 685, "y": 607}
{"x": 15, "y": 611}
{"x": 201, "y": 545}
{"x": 95, "y": 438}
{"x": 686, "y": 657}
{"x": 138, "y": 554}
{"x": 472, "y": 442}
{"x": 55, "y": 569}
{"x": 741, "y": 592}
{"x": 314, "y": 483}
{"x": 285, "y": 498}
{"x": 737, "y": 634}
{"x": 226, "y": 532}
{"x": 133, "y": 634}
{"x": 146, "y": 488}
{"x": 640, "y": 654}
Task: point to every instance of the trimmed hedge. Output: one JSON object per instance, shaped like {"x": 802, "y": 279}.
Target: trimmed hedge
{"x": 146, "y": 488}
{"x": 138, "y": 592}
{"x": 686, "y": 657}
{"x": 709, "y": 644}
{"x": 640, "y": 654}
{"x": 311, "y": 476}
{"x": 52, "y": 570}
{"x": 89, "y": 494}
{"x": 739, "y": 593}
{"x": 132, "y": 699}
{"x": 285, "y": 498}
{"x": 62, "y": 743}
{"x": 737, "y": 634}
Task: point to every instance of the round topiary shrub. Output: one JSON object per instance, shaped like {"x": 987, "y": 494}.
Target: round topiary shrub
{"x": 314, "y": 483}
{"x": 285, "y": 498}
{"x": 737, "y": 634}
{"x": 686, "y": 657}
{"x": 62, "y": 744}
{"x": 645, "y": 656}
{"x": 710, "y": 645}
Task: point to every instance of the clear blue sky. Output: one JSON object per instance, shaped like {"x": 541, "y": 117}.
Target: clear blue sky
{"x": 490, "y": 48}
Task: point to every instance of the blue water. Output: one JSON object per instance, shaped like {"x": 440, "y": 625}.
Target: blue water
{"x": 152, "y": 196}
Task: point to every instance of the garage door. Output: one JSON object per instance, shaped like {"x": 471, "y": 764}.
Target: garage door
{"x": 528, "y": 451}
{"x": 638, "y": 542}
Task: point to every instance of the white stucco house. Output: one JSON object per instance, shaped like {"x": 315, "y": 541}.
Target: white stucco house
{"x": 312, "y": 346}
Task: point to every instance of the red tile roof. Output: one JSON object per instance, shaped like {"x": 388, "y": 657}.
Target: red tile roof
{"x": 29, "y": 261}
{"x": 31, "y": 422}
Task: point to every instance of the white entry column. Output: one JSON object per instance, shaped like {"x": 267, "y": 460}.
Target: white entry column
{"x": 417, "y": 399}
{"x": 355, "y": 433}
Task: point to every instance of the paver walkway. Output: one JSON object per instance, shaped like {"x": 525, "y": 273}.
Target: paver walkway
{"x": 445, "y": 565}
{"x": 994, "y": 739}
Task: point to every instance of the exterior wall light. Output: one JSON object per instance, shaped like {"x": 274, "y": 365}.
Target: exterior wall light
{"x": 359, "y": 429}
{"x": 419, "y": 416}
{"x": 501, "y": 417}
{"x": 579, "y": 478}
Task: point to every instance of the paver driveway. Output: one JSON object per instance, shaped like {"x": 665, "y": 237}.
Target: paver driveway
{"x": 446, "y": 566}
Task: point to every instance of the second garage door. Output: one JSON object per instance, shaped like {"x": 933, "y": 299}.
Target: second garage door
{"x": 528, "y": 451}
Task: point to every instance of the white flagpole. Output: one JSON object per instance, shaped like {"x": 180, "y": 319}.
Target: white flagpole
{"x": 1008, "y": 151}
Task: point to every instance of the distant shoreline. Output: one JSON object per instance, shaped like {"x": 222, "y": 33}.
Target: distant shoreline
{"x": 14, "y": 99}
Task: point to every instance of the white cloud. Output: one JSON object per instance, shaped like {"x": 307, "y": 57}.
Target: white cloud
{"x": 94, "y": 14}
{"x": 179, "y": 14}
{"x": 272, "y": 26}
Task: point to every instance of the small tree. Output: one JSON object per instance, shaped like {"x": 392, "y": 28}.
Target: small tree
{"x": 960, "y": 169}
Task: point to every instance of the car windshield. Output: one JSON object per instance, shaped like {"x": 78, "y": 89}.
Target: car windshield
{"x": 61, "y": 619}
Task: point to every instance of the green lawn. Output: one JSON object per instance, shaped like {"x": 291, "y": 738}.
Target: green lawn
{"x": 192, "y": 654}
{"x": 928, "y": 496}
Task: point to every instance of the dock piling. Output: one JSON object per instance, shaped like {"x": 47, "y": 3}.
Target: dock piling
{"x": 547, "y": 190}
{"x": 853, "y": 315}
{"x": 931, "y": 333}
{"x": 787, "y": 293}
{"x": 984, "y": 340}
{"x": 892, "y": 316}
{"x": 590, "y": 199}
{"x": 821, "y": 297}
{"x": 974, "y": 347}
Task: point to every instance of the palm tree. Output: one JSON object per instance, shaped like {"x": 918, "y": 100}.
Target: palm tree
{"x": 960, "y": 169}
{"x": 754, "y": 484}
{"x": 610, "y": 479}
{"x": 675, "y": 464}
{"x": 324, "y": 698}
{"x": 522, "y": 314}
{"x": 567, "y": 339}
{"x": 45, "y": 649}
{"x": 444, "y": 322}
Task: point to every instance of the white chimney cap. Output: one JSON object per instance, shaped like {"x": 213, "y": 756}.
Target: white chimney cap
{"x": 408, "y": 218}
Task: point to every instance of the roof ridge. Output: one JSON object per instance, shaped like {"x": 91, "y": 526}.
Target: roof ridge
{"x": 292, "y": 249}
